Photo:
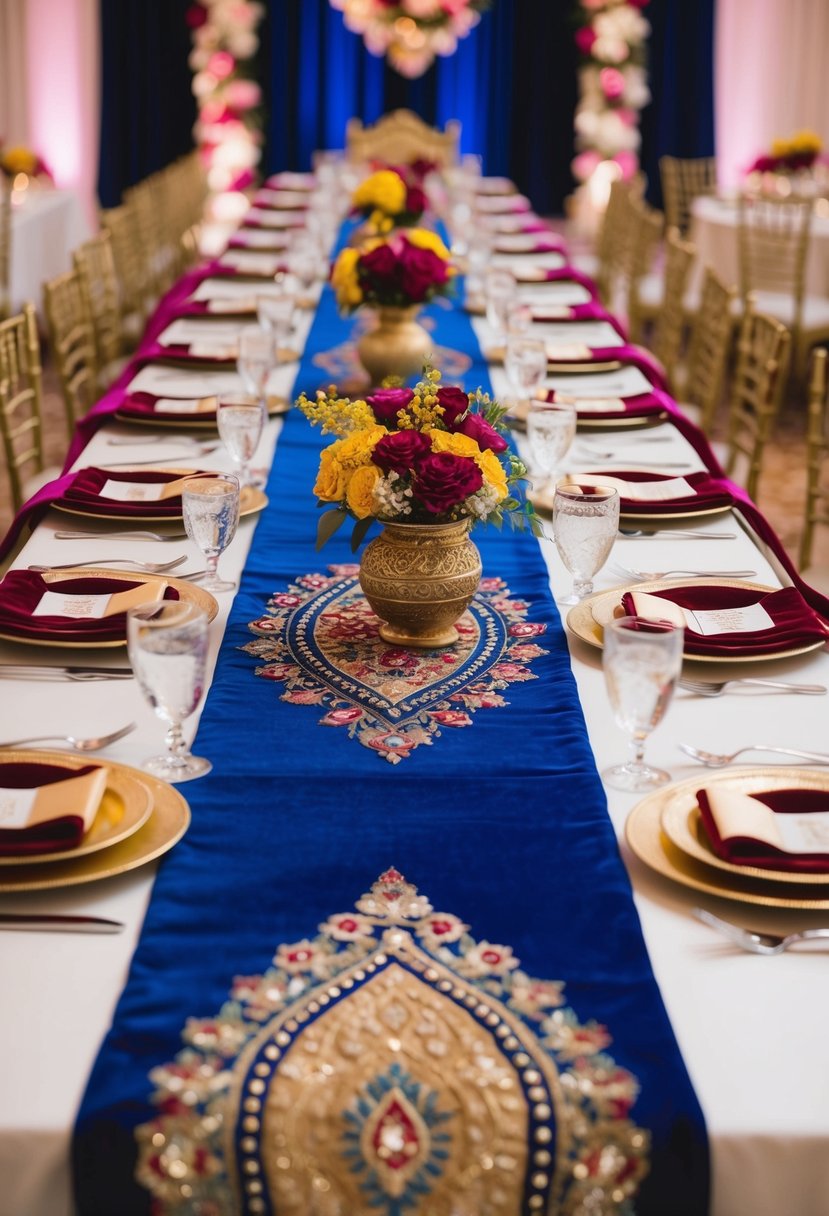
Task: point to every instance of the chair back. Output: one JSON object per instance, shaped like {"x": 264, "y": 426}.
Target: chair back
{"x": 817, "y": 447}
{"x": 669, "y": 328}
{"x": 773, "y": 245}
{"x": 5, "y": 246}
{"x": 130, "y": 271}
{"x": 21, "y": 416}
{"x": 763, "y": 352}
{"x": 709, "y": 347}
{"x": 72, "y": 341}
{"x": 400, "y": 138}
{"x": 683, "y": 180}
{"x": 613, "y": 240}
{"x": 644, "y": 229}
{"x": 99, "y": 286}
{"x": 147, "y": 203}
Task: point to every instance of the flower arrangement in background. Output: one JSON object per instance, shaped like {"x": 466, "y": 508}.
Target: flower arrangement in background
{"x": 613, "y": 89}
{"x": 410, "y": 33}
{"x": 428, "y": 454}
{"x": 227, "y": 130}
{"x": 406, "y": 268}
{"x": 387, "y": 199}
{"x": 798, "y": 152}
{"x": 18, "y": 161}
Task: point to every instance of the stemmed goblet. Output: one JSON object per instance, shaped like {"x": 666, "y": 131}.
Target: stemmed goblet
{"x": 642, "y": 660}
{"x": 210, "y": 506}
{"x": 585, "y": 524}
{"x": 257, "y": 356}
{"x": 551, "y": 429}
{"x": 240, "y": 418}
{"x": 167, "y": 645}
{"x": 276, "y": 318}
{"x": 525, "y": 362}
{"x": 501, "y": 292}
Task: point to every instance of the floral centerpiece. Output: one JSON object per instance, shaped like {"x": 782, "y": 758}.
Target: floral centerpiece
{"x": 411, "y": 32}
{"x": 18, "y": 161}
{"x": 396, "y": 275}
{"x": 428, "y": 463}
{"x": 799, "y": 151}
{"x": 387, "y": 200}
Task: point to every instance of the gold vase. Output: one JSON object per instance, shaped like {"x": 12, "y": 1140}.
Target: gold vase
{"x": 420, "y": 579}
{"x": 397, "y": 346}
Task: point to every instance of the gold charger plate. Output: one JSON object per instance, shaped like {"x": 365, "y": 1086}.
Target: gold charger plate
{"x": 124, "y": 808}
{"x": 167, "y": 823}
{"x": 276, "y": 406}
{"x": 682, "y": 822}
{"x": 188, "y": 592}
{"x": 649, "y": 843}
{"x": 251, "y": 499}
{"x": 587, "y": 619}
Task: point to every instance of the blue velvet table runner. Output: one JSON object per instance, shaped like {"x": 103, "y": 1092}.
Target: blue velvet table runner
{"x": 503, "y": 824}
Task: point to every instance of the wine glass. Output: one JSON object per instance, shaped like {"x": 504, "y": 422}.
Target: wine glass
{"x": 642, "y": 660}
{"x": 585, "y": 523}
{"x": 551, "y": 429}
{"x": 210, "y": 506}
{"x": 276, "y": 317}
{"x": 257, "y": 355}
{"x": 167, "y": 644}
{"x": 240, "y": 418}
{"x": 525, "y": 362}
{"x": 501, "y": 291}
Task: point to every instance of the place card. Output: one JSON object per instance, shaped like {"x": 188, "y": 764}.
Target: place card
{"x": 250, "y": 262}
{"x": 91, "y": 607}
{"x": 80, "y": 796}
{"x": 186, "y": 405}
{"x": 226, "y": 289}
{"x": 663, "y": 490}
{"x": 178, "y": 382}
{"x": 589, "y": 405}
{"x": 738, "y": 816}
{"x": 267, "y": 218}
{"x": 522, "y": 242}
{"x": 285, "y": 199}
{"x": 259, "y": 238}
{"x": 752, "y": 618}
{"x": 187, "y": 330}
{"x": 626, "y": 382}
{"x": 293, "y": 180}
{"x": 587, "y": 333}
{"x": 566, "y": 352}
{"x": 548, "y": 295}
{"x": 541, "y": 262}
{"x": 210, "y": 350}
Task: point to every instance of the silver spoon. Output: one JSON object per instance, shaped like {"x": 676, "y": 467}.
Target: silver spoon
{"x": 78, "y": 745}
{"x": 717, "y": 760}
{"x": 147, "y": 567}
{"x": 757, "y": 943}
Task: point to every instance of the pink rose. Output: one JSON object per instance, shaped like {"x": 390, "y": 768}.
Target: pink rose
{"x": 443, "y": 480}
{"x": 401, "y": 451}
{"x": 385, "y": 403}
{"x": 455, "y": 404}
{"x": 585, "y": 37}
{"x": 485, "y": 435}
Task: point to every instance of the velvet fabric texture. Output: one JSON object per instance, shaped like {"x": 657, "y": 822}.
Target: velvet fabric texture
{"x": 707, "y": 492}
{"x": 746, "y": 851}
{"x": 53, "y": 835}
{"x": 22, "y": 590}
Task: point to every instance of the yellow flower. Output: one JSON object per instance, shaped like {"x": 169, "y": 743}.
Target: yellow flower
{"x": 356, "y": 450}
{"x": 344, "y": 279}
{"x": 807, "y": 141}
{"x": 385, "y": 190}
{"x": 781, "y": 147}
{"x": 360, "y": 492}
{"x": 332, "y": 481}
{"x": 426, "y": 239}
{"x": 494, "y": 474}
{"x": 19, "y": 160}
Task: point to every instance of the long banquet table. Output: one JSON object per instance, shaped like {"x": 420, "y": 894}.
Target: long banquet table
{"x": 749, "y": 1028}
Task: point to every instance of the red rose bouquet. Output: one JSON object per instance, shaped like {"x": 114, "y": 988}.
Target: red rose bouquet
{"x": 406, "y": 268}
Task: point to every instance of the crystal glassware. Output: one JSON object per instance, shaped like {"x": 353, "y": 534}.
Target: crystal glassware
{"x": 585, "y": 524}
{"x": 167, "y": 644}
{"x": 240, "y": 418}
{"x": 257, "y": 356}
{"x": 551, "y": 429}
{"x": 642, "y": 661}
{"x": 501, "y": 292}
{"x": 525, "y": 362}
{"x": 275, "y": 314}
{"x": 210, "y": 506}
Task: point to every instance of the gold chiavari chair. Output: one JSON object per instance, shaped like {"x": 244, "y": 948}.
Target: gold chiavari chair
{"x": 99, "y": 286}
{"x": 683, "y": 180}
{"x": 613, "y": 239}
{"x": 669, "y": 327}
{"x": 72, "y": 341}
{"x": 21, "y": 406}
{"x": 763, "y": 352}
{"x": 701, "y": 388}
{"x": 774, "y": 237}
{"x": 644, "y": 233}
{"x": 817, "y": 448}
{"x": 146, "y": 201}
{"x": 400, "y": 138}
{"x": 5, "y": 246}
{"x": 130, "y": 270}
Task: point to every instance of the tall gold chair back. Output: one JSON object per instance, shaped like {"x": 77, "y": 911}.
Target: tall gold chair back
{"x": 72, "y": 342}
{"x": 763, "y": 352}
{"x": 817, "y": 447}
{"x": 709, "y": 348}
{"x": 683, "y": 180}
{"x": 400, "y": 138}
{"x": 5, "y": 247}
{"x": 21, "y": 401}
{"x": 99, "y": 286}
{"x": 669, "y": 327}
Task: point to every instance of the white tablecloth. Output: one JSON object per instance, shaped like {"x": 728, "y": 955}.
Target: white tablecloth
{"x": 45, "y": 229}
{"x": 751, "y": 1029}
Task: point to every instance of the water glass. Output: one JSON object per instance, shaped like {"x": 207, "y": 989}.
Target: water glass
{"x": 257, "y": 357}
{"x": 275, "y": 314}
{"x": 642, "y": 660}
{"x": 240, "y": 418}
{"x": 167, "y": 644}
{"x": 551, "y": 429}
{"x": 525, "y": 362}
{"x": 501, "y": 292}
{"x": 211, "y": 517}
{"x": 585, "y": 524}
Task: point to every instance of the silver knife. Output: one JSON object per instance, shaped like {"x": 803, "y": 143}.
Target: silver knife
{"x": 34, "y": 922}
{"x": 12, "y": 671}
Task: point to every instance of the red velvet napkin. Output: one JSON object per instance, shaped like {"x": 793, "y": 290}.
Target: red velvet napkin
{"x": 22, "y": 590}
{"x": 142, "y": 406}
{"x": 52, "y": 836}
{"x": 746, "y": 851}
{"x": 84, "y": 490}
{"x": 795, "y": 623}
{"x": 709, "y": 492}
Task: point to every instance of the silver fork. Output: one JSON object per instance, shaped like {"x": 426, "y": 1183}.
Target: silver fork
{"x": 147, "y": 567}
{"x": 754, "y": 942}
{"x": 172, "y": 536}
{"x": 644, "y": 575}
{"x": 78, "y": 745}
{"x": 720, "y": 760}
{"x": 713, "y": 688}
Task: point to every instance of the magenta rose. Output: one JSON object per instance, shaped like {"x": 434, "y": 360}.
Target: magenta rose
{"x": 385, "y": 403}
{"x": 401, "y": 451}
{"x": 416, "y": 200}
{"x": 420, "y": 271}
{"x": 379, "y": 263}
{"x": 455, "y": 404}
{"x": 585, "y": 37}
{"x": 485, "y": 435}
{"x": 443, "y": 480}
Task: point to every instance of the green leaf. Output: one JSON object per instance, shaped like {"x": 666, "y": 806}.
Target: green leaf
{"x": 328, "y": 525}
{"x": 358, "y": 534}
